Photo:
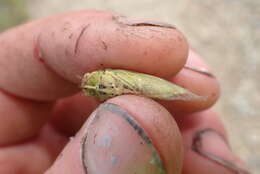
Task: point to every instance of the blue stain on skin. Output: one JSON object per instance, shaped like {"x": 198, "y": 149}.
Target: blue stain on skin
{"x": 114, "y": 160}
{"x": 156, "y": 159}
{"x": 105, "y": 142}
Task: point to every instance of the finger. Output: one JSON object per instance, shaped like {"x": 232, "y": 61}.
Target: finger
{"x": 198, "y": 78}
{"x": 49, "y": 55}
{"x": 120, "y": 137}
{"x": 33, "y": 156}
{"x": 70, "y": 113}
{"x": 42, "y": 60}
{"x": 206, "y": 146}
{"x": 20, "y": 118}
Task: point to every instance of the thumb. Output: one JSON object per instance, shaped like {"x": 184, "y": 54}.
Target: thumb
{"x": 126, "y": 134}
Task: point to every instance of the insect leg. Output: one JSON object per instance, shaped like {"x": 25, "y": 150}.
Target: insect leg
{"x": 89, "y": 87}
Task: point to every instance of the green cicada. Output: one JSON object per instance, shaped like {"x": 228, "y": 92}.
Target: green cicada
{"x": 109, "y": 83}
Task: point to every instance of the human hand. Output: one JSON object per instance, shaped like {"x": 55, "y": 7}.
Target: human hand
{"x": 41, "y": 63}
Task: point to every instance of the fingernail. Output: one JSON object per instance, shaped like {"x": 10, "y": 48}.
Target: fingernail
{"x": 116, "y": 143}
{"x": 200, "y": 70}
{"x": 137, "y": 23}
{"x": 213, "y": 146}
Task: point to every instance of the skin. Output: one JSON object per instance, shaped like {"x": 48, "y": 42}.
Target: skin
{"x": 41, "y": 63}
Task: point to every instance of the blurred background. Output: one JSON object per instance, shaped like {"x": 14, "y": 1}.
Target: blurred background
{"x": 225, "y": 32}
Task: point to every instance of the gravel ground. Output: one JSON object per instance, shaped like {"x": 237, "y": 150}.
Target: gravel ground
{"x": 226, "y": 33}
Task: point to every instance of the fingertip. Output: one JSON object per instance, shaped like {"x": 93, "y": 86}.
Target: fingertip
{"x": 92, "y": 41}
{"x": 160, "y": 126}
{"x": 126, "y": 134}
{"x": 206, "y": 146}
{"x": 197, "y": 77}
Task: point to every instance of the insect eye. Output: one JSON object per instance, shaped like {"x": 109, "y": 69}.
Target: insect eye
{"x": 101, "y": 86}
{"x": 125, "y": 86}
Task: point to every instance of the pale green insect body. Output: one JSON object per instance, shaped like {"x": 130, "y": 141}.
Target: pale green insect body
{"x": 108, "y": 83}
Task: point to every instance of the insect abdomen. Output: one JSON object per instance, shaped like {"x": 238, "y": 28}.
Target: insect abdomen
{"x": 152, "y": 86}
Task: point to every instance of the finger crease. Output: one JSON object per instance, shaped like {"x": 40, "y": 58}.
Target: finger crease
{"x": 76, "y": 47}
